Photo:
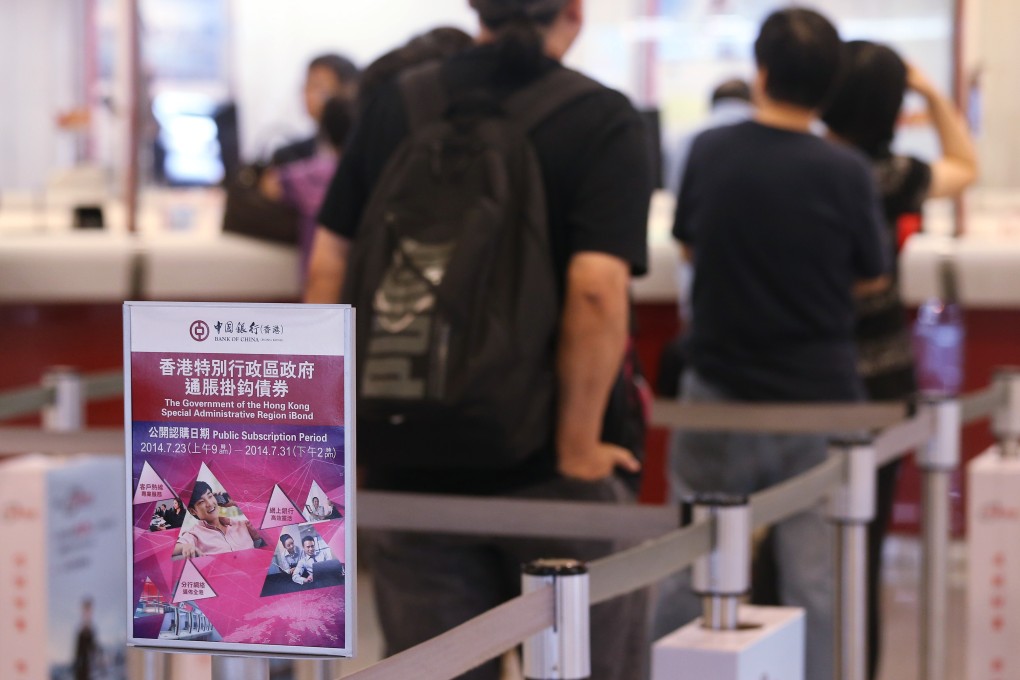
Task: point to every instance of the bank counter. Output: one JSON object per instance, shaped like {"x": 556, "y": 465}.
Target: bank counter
{"x": 61, "y": 287}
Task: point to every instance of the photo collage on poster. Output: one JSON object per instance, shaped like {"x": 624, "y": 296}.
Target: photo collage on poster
{"x": 293, "y": 548}
{"x": 239, "y": 500}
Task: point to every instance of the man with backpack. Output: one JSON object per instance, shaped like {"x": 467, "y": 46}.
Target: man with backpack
{"x": 485, "y": 222}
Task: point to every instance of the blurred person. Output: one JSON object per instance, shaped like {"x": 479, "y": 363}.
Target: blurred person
{"x": 596, "y": 176}
{"x": 730, "y": 103}
{"x": 302, "y": 183}
{"x": 328, "y": 76}
{"x": 86, "y": 648}
{"x": 782, "y": 226}
{"x": 214, "y": 533}
{"x": 863, "y": 114}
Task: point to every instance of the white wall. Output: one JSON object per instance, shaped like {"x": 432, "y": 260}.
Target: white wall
{"x": 996, "y": 53}
{"x": 40, "y": 48}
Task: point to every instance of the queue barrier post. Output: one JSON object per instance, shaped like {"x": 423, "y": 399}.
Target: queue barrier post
{"x": 563, "y": 651}
{"x": 937, "y": 460}
{"x": 722, "y": 576}
{"x": 1006, "y": 419}
{"x": 239, "y": 668}
{"x": 67, "y": 412}
{"x": 731, "y": 641}
{"x": 147, "y": 664}
{"x": 851, "y": 508}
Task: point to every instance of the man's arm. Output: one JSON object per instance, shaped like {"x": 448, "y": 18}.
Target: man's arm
{"x": 957, "y": 169}
{"x": 297, "y": 577}
{"x": 185, "y": 548}
{"x": 593, "y": 338}
{"x": 281, "y": 564}
{"x": 326, "y": 267}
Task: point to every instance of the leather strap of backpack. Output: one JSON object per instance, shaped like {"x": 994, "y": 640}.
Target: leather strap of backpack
{"x": 424, "y": 94}
{"x": 539, "y": 100}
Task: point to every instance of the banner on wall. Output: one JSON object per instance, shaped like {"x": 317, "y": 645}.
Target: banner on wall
{"x": 240, "y": 433}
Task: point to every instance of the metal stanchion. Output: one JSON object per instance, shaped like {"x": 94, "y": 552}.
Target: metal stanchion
{"x": 562, "y": 652}
{"x": 937, "y": 461}
{"x": 147, "y": 664}
{"x": 239, "y": 668}
{"x": 852, "y": 507}
{"x": 67, "y": 413}
{"x": 1006, "y": 419}
{"x": 315, "y": 669}
{"x": 722, "y": 576}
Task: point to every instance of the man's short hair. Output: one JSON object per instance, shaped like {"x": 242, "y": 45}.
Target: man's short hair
{"x": 495, "y": 13}
{"x": 196, "y": 494}
{"x": 308, "y": 539}
{"x": 735, "y": 88}
{"x": 802, "y": 56}
{"x": 284, "y": 537}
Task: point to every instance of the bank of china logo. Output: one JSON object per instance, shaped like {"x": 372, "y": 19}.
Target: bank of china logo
{"x": 199, "y": 330}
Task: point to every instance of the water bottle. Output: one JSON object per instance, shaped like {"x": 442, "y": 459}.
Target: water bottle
{"x": 938, "y": 338}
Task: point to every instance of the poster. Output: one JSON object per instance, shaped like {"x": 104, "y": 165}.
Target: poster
{"x": 240, "y": 433}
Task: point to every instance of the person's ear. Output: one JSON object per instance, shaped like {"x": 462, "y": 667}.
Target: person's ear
{"x": 759, "y": 86}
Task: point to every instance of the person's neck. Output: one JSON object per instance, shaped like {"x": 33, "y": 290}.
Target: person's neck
{"x": 784, "y": 116}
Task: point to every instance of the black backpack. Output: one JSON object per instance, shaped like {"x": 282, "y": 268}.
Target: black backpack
{"x": 454, "y": 285}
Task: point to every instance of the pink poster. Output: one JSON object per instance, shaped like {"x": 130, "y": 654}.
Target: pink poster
{"x": 241, "y": 477}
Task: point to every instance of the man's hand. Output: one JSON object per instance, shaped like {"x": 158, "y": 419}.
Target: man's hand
{"x": 190, "y": 551}
{"x": 226, "y": 521}
{"x": 596, "y": 463}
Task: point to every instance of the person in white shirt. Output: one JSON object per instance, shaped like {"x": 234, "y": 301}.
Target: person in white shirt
{"x": 304, "y": 573}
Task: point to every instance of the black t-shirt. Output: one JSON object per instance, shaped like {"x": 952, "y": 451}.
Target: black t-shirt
{"x": 782, "y": 224}
{"x": 597, "y": 175}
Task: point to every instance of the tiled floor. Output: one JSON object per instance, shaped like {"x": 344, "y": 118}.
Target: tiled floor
{"x": 901, "y": 636}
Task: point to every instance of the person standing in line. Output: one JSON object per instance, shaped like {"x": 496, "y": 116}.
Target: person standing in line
{"x": 730, "y": 104}
{"x": 863, "y": 114}
{"x": 596, "y": 175}
{"x": 328, "y": 76}
{"x": 782, "y": 226}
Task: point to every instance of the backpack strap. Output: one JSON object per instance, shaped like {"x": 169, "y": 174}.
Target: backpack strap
{"x": 425, "y": 98}
{"x": 531, "y": 105}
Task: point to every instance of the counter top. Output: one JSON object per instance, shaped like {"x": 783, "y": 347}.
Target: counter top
{"x": 179, "y": 253}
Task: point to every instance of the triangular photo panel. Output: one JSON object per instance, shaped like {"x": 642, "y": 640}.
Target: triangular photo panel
{"x": 152, "y": 487}
{"x": 187, "y": 622}
{"x": 281, "y": 511}
{"x": 151, "y": 601}
{"x": 168, "y": 515}
{"x": 192, "y": 585}
{"x": 318, "y": 507}
{"x": 303, "y": 561}
{"x": 213, "y": 523}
